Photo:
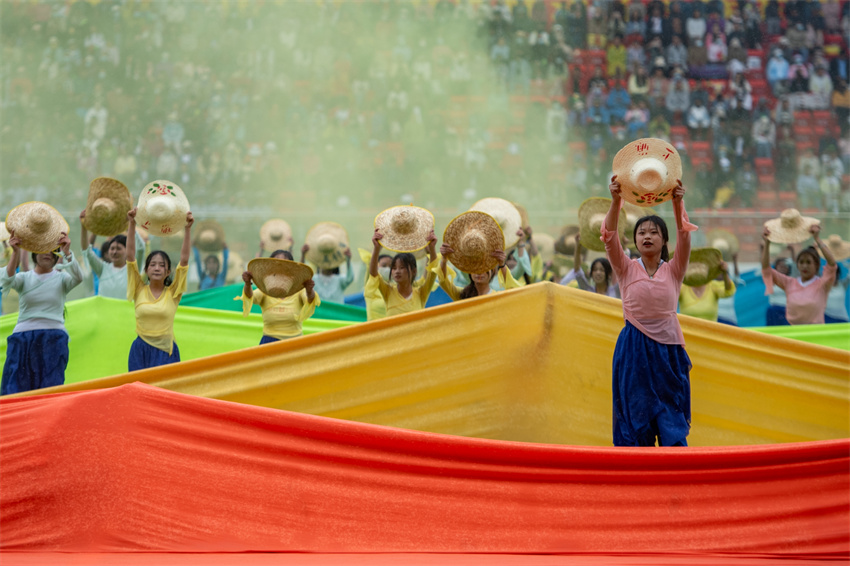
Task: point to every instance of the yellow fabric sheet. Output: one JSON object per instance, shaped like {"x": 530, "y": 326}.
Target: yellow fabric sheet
{"x": 530, "y": 364}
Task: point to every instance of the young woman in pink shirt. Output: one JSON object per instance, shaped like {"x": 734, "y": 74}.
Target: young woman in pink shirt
{"x": 651, "y": 370}
{"x": 805, "y": 295}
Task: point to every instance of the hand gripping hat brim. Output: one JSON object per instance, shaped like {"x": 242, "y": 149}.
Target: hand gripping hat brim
{"x": 474, "y": 236}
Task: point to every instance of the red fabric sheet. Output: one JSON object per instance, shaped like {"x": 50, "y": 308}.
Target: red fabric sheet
{"x": 137, "y": 468}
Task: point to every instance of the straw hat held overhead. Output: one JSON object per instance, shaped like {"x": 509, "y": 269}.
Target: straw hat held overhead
{"x": 276, "y": 234}
{"x": 591, "y": 215}
{"x": 505, "y": 213}
{"x": 474, "y": 236}
{"x": 566, "y": 242}
{"x": 162, "y": 208}
{"x": 545, "y": 246}
{"x": 107, "y": 206}
{"x": 704, "y": 265}
{"x": 38, "y": 226}
{"x": 648, "y": 170}
{"x": 279, "y": 278}
{"x": 405, "y": 228}
{"x": 327, "y": 243}
{"x": 839, "y": 248}
{"x": 791, "y": 227}
{"x": 723, "y": 240}
{"x": 209, "y": 236}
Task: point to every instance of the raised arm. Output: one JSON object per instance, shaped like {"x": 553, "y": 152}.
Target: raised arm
{"x": 247, "y": 290}
{"x": 376, "y": 251}
{"x": 577, "y": 256}
{"x": 827, "y": 253}
{"x": 186, "y": 250}
{"x": 131, "y": 234}
{"x": 432, "y": 247}
{"x": 765, "y": 254}
{"x": 678, "y": 206}
{"x": 84, "y": 234}
{"x": 612, "y": 219}
{"x": 348, "y": 278}
{"x": 727, "y": 282}
{"x": 15, "y": 242}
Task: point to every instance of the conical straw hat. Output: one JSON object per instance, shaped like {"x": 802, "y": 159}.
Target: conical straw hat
{"x": 209, "y": 235}
{"x": 648, "y": 170}
{"x": 276, "y": 234}
{"x": 405, "y": 228}
{"x": 38, "y": 225}
{"x": 545, "y": 246}
{"x": 328, "y": 242}
{"x": 108, "y": 202}
{"x": 474, "y": 236}
{"x": 703, "y": 266}
{"x": 279, "y": 278}
{"x": 566, "y": 242}
{"x": 4, "y": 234}
{"x": 839, "y": 248}
{"x": 791, "y": 227}
{"x": 505, "y": 213}
{"x": 591, "y": 215}
{"x": 723, "y": 240}
{"x": 162, "y": 208}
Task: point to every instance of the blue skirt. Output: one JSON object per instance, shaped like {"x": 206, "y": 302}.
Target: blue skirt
{"x": 651, "y": 391}
{"x": 268, "y": 340}
{"x": 776, "y": 316}
{"x": 34, "y": 359}
{"x": 144, "y": 356}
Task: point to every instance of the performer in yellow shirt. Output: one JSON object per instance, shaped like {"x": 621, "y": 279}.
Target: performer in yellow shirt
{"x": 156, "y": 301}
{"x": 479, "y": 282}
{"x": 403, "y": 296}
{"x": 282, "y": 318}
{"x": 702, "y": 301}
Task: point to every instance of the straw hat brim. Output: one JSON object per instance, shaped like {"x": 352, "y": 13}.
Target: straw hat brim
{"x": 596, "y": 207}
{"x": 545, "y": 246}
{"x": 115, "y": 221}
{"x": 566, "y": 242}
{"x": 523, "y": 215}
{"x": 710, "y": 257}
{"x": 4, "y": 234}
{"x": 644, "y": 148}
{"x": 411, "y": 241}
{"x": 276, "y": 225}
{"x": 326, "y": 259}
{"x": 492, "y": 235}
{"x": 33, "y": 240}
{"x": 208, "y": 225}
{"x": 262, "y": 267}
{"x": 505, "y": 213}
{"x": 633, "y": 214}
{"x": 171, "y": 224}
{"x": 839, "y": 248}
{"x": 780, "y": 234}
{"x": 732, "y": 242}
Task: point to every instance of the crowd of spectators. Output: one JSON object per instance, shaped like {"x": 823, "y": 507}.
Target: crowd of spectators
{"x": 323, "y": 105}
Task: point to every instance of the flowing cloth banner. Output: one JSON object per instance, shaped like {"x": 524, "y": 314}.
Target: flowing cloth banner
{"x": 138, "y": 468}
{"x": 101, "y": 331}
{"x": 831, "y": 335}
{"x": 531, "y": 364}
{"x": 221, "y": 298}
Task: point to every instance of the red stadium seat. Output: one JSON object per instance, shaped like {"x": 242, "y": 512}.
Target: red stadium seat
{"x": 764, "y": 166}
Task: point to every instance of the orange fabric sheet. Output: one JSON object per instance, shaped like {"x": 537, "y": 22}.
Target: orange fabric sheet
{"x": 138, "y": 468}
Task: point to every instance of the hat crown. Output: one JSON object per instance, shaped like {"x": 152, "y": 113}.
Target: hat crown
{"x": 103, "y": 205}
{"x": 207, "y": 236}
{"x": 278, "y": 284}
{"x": 161, "y": 208}
{"x": 790, "y": 218}
{"x": 404, "y": 222}
{"x": 276, "y": 234}
{"x": 697, "y": 269}
{"x": 720, "y": 244}
{"x": 596, "y": 221}
{"x": 39, "y": 220}
{"x": 473, "y": 243}
{"x": 648, "y": 173}
{"x": 834, "y": 240}
{"x": 326, "y": 243}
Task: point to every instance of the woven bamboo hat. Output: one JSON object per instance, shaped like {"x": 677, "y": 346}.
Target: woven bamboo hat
{"x": 107, "y": 206}
{"x": 723, "y": 240}
{"x": 566, "y": 242}
{"x": 591, "y": 215}
{"x": 524, "y": 222}
{"x": 38, "y": 225}
{"x": 791, "y": 227}
{"x": 505, "y": 213}
{"x": 328, "y": 242}
{"x": 648, "y": 170}
{"x": 279, "y": 278}
{"x": 405, "y": 228}
{"x": 209, "y": 236}
{"x": 162, "y": 208}
{"x": 473, "y": 236}
{"x": 839, "y": 248}
{"x": 276, "y": 234}
{"x": 703, "y": 266}
{"x": 545, "y": 246}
